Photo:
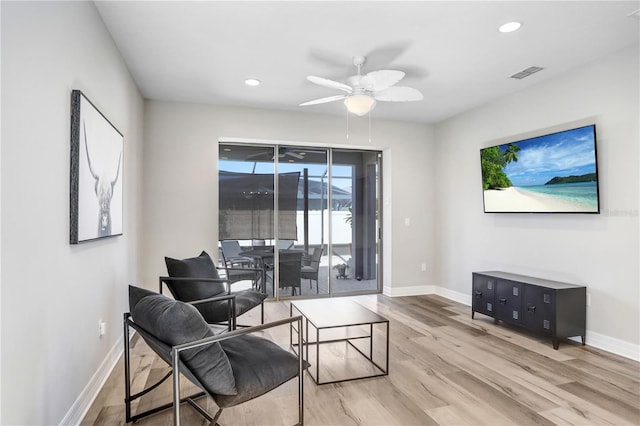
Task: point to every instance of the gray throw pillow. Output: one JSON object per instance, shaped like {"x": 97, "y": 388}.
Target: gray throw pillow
{"x": 175, "y": 323}
{"x": 201, "y": 266}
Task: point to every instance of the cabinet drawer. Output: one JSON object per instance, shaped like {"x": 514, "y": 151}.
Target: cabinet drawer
{"x": 483, "y": 294}
{"x": 539, "y": 307}
{"x": 509, "y": 301}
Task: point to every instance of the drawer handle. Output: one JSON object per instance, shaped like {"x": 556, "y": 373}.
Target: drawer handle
{"x": 503, "y": 301}
{"x": 531, "y": 308}
{"x": 478, "y": 293}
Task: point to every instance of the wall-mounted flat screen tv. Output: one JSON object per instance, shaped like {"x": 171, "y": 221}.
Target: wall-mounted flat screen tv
{"x": 554, "y": 173}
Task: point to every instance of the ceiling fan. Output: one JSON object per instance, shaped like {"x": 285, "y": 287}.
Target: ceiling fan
{"x": 282, "y": 153}
{"x": 363, "y": 91}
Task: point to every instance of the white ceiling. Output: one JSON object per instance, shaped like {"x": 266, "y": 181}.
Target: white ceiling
{"x": 451, "y": 51}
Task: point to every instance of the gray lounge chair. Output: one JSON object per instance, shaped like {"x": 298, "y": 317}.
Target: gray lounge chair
{"x": 231, "y": 368}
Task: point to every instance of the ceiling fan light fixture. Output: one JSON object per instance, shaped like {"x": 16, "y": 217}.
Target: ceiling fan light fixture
{"x": 359, "y": 104}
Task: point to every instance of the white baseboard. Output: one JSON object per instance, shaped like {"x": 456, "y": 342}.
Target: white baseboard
{"x": 456, "y": 296}
{"x": 613, "y": 345}
{"x": 408, "y": 291}
{"x": 597, "y": 340}
{"x": 82, "y": 404}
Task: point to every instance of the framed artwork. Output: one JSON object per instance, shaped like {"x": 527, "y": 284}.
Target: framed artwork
{"x": 97, "y": 149}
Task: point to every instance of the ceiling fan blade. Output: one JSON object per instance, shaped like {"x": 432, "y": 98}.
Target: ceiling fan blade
{"x": 257, "y": 155}
{"x": 294, "y": 155}
{"x": 324, "y": 100}
{"x": 387, "y": 54}
{"x": 398, "y": 94}
{"x": 383, "y": 79}
{"x": 325, "y": 82}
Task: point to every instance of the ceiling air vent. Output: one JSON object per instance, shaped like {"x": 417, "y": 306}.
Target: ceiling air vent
{"x": 526, "y": 73}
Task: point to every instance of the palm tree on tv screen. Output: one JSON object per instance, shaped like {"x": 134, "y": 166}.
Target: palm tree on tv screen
{"x": 511, "y": 154}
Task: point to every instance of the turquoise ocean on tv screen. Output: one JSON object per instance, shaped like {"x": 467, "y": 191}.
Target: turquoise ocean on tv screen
{"x": 583, "y": 193}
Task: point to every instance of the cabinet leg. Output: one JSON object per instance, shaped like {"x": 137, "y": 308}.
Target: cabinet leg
{"x": 472, "y": 313}
{"x": 583, "y": 340}
{"x": 555, "y": 343}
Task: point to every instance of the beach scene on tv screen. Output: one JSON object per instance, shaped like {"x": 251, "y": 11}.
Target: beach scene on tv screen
{"x": 551, "y": 173}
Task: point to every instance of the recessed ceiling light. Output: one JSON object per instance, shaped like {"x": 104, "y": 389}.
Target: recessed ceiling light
{"x": 252, "y": 82}
{"x": 509, "y": 27}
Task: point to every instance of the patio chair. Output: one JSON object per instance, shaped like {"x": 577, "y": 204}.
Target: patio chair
{"x": 247, "y": 271}
{"x": 290, "y": 271}
{"x": 231, "y": 254}
{"x": 310, "y": 271}
{"x": 285, "y": 244}
{"x": 231, "y": 368}
{"x": 197, "y": 278}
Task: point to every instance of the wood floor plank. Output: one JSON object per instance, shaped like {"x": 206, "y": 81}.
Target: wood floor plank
{"x": 444, "y": 369}
{"x": 507, "y": 406}
{"x": 500, "y": 375}
{"x": 569, "y": 416}
{"x": 469, "y": 414}
{"x": 624, "y": 383}
{"x": 623, "y": 409}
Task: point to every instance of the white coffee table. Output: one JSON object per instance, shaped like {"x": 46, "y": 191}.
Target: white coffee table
{"x": 337, "y": 321}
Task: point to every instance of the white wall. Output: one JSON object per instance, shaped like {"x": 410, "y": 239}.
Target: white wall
{"x": 53, "y": 294}
{"x": 599, "y": 251}
{"x": 181, "y": 186}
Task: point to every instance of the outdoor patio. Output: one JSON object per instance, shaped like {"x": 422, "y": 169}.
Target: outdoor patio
{"x": 341, "y": 255}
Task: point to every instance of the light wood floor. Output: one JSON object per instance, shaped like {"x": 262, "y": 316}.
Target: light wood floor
{"x": 445, "y": 369}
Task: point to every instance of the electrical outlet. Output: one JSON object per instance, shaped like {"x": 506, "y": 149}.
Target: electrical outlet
{"x": 407, "y": 221}
{"x": 588, "y": 299}
{"x": 423, "y": 267}
{"x": 102, "y": 328}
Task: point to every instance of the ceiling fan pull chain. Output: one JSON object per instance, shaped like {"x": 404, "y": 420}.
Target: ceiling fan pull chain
{"x": 369, "y": 126}
{"x": 347, "y": 125}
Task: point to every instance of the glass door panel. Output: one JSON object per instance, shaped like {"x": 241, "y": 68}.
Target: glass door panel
{"x": 354, "y": 212}
{"x": 246, "y": 209}
{"x": 302, "y": 204}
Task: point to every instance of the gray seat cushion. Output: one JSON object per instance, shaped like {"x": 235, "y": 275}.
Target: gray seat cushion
{"x": 259, "y": 366}
{"x": 174, "y": 323}
{"x": 214, "y": 312}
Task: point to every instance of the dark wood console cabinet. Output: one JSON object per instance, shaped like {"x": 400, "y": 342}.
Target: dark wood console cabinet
{"x": 548, "y": 307}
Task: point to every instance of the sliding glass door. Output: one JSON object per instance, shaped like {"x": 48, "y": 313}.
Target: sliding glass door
{"x": 325, "y": 204}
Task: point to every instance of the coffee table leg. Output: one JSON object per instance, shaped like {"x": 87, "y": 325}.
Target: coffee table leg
{"x": 317, "y": 355}
{"x": 387, "y": 369}
{"x": 371, "y": 341}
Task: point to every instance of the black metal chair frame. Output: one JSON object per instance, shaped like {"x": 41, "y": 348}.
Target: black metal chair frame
{"x": 178, "y": 367}
{"x": 128, "y": 398}
{"x": 232, "y": 323}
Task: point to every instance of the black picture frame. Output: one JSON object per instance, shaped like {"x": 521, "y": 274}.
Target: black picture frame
{"x": 97, "y": 169}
